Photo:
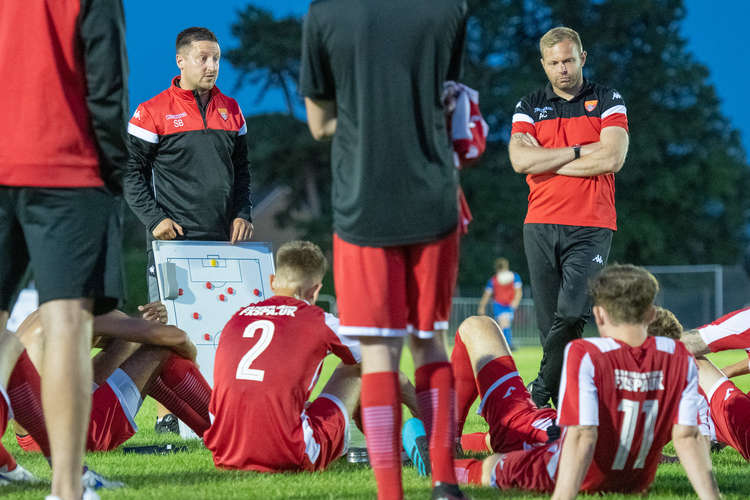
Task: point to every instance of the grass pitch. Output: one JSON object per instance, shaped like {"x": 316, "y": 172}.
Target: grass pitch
{"x": 191, "y": 474}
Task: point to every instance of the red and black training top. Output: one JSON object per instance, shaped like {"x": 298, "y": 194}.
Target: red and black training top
{"x": 557, "y": 123}
{"x": 189, "y": 163}
{"x": 65, "y": 100}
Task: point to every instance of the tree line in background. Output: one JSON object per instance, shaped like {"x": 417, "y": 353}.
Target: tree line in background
{"x": 679, "y": 196}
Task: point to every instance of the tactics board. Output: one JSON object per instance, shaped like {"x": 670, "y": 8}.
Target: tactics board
{"x": 203, "y": 283}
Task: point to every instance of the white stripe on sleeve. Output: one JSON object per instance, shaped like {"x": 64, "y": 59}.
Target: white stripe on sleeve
{"x": 615, "y": 109}
{"x": 687, "y": 414}
{"x": 522, "y": 117}
{"x": 588, "y": 397}
{"x": 142, "y": 133}
{"x": 351, "y": 343}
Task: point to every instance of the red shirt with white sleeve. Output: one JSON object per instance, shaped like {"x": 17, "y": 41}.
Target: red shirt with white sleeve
{"x": 268, "y": 360}
{"x": 633, "y": 395}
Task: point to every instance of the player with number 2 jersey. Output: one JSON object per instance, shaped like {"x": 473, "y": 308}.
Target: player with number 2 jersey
{"x": 268, "y": 360}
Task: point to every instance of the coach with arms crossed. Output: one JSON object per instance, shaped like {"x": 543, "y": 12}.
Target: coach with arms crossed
{"x": 569, "y": 138}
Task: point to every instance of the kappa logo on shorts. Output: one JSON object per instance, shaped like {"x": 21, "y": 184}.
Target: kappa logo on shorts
{"x": 509, "y": 391}
{"x": 590, "y": 105}
{"x": 729, "y": 391}
{"x": 598, "y": 259}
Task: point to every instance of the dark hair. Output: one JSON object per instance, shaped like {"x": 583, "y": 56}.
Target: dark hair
{"x": 194, "y": 34}
{"x": 625, "y": 291}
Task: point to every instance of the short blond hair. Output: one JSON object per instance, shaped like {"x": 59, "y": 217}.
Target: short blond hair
{"x": 665, "y": 324}
{"x": 557, "y": 35}
{"x": 501, "y": 264}
{"x": 625, "y": 291}
{"x": 300, "y": 264}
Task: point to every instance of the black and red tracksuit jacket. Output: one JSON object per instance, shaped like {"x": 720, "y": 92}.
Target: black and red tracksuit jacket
{"x": 64, "y": 86}
{"x": 189, "y": 163}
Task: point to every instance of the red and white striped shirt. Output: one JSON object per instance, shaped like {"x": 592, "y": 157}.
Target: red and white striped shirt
{"x": 633, "y": 395}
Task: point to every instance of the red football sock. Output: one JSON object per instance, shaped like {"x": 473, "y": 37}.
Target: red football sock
{"x": 7, "y": 463}
{"x": 469, "y": 471}
{"x": 181, "y": 388}
{"x": 27, "y": 443}
{"x": 25, "y": 393}
{"x": 381, "y": 416}
{"x": 434, "y": 385}
{"x": 476, "y": 442}
{"x": 464, "y": 383}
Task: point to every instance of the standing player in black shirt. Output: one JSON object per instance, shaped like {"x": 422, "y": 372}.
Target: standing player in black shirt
{"x": 372, "y": 74}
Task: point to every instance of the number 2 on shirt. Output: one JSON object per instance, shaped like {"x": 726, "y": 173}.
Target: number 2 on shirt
{"x": 244, "y": 372}
{"x": 629, "y": 421}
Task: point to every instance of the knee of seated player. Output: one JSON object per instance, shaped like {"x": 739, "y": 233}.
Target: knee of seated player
{"x": 345, "y": 384}
{"x": 483, "y": 338}
{"x": 168, "y": 335}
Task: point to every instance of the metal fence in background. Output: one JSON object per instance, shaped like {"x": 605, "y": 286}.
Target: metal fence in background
{"x": 524, "y": 327}
{"x": 696, "y": 294}
{"x": 524, "y": 323}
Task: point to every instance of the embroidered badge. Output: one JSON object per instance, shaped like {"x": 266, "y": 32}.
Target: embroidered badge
{"x": 223, "y": 112}
{"x": 590, "y": 105}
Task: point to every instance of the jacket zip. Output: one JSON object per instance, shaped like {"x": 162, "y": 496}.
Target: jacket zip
{"x": 202, "y": 109}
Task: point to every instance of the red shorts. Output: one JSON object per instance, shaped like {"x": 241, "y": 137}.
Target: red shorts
{"x": 330, "y": 430}
{"x": 515, "y": 421}
{"x": 109, "y": 426}
{"x": 530, "y": 470}
{"x": 730, "y": 409}
{"x": 4, "y": 411}
{"x": 391, "y": 291}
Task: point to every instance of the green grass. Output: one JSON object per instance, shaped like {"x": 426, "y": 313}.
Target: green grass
{"x": 191, "y": 475}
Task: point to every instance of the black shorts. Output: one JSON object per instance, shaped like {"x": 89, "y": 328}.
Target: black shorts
{"x": 71, "y": 236}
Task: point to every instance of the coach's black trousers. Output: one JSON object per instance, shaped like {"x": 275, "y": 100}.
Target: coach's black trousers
{"x": 561, "y": 261}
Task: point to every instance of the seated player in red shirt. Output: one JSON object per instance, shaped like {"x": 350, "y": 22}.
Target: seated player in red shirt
{"x": 730, "y": 406}
{"x": 515, "y": 421}
{"x": 267, "y": 363}
{"x": 636, "y": 392}
{"x": 139, "y": 357}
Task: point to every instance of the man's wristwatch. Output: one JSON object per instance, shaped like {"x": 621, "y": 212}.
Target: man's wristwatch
{"x": 577, "y": 151}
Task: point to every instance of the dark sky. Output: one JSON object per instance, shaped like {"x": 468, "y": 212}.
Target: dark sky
{"x": 712, "y": 28}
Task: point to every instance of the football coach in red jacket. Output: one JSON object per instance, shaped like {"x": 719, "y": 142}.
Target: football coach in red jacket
{"x": 65, "y": 106}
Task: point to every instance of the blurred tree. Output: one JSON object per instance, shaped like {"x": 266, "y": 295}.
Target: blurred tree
{"x": 268, "y": 55}
{"x": 679, "y": 196}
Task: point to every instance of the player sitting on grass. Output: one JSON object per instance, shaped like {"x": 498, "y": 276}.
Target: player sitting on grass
{"x": 515, "y": 421}
{"x": 139, "y": 357}
{"x": 268, "y": 360}
{"x": 624, "y": 384}
{"x": 730, "y": 407}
